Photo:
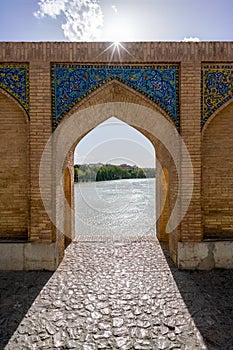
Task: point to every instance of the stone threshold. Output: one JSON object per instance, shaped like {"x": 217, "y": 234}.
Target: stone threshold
{"x": 28, "y": 256}
{"x": 206, "y": 255}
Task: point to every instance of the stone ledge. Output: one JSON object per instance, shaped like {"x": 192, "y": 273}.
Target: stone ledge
{"x": 205, "y": 255}
{"x": 28, "y": 256}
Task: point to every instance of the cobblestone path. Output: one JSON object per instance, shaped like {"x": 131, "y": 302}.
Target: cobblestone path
{"x": 121, "y": 296}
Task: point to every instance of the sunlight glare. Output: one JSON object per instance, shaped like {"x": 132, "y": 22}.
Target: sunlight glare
{"x": 118, "y": 33}
{"x": 120, "y": 30}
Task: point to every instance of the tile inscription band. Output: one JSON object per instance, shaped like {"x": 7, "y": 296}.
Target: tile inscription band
{"x": 160, "y": 83}
{"x": 72, "y": 82}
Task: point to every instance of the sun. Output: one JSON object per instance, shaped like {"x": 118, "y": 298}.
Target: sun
{"x": 118, "y": 30}
{"x": 116, "y": 43}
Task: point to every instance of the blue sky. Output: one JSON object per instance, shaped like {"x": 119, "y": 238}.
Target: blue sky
{"x": 115, "y": 142}
{"x": 121, "y": 20}
{"x": 116, "y": 20}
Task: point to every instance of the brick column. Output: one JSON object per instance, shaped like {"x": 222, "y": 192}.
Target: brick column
{"x": 190, "y": 100}
{"x": 40, "y": 131}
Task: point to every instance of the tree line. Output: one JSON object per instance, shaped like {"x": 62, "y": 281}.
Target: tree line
{"x": 107, "y": 172}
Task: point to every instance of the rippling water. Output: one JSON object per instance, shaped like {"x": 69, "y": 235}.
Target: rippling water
{"x": 115, "y": 209}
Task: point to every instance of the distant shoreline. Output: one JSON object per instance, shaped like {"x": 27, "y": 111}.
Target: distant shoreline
{"x": 90, "y": 182}
{"x": 109, "y": 172}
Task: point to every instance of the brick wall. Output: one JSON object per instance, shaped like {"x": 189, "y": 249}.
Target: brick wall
{"x": 14, "y": 175}
{"x": 217, "y": 174}
{"x": 190, "y": 108}
{"x": 40, "y": 131}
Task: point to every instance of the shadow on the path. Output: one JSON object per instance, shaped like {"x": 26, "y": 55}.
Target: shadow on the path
{"x": 18, "y": 291}
{"x": 208, "y": 296}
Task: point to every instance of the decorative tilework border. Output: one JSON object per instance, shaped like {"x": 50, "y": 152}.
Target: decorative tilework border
{"x": 73, "y": 82}
{"x": 14, "y": 79}
{"x": 217, "y": 88}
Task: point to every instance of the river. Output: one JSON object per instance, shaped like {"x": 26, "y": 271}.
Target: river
{"x": 113, "y": 210}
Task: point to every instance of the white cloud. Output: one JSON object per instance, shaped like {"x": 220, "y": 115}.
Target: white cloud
{"x": 83, "y": 18}
{"x": 192, "y": 39}
{"x": 51, "y": 8}
{"x": 114, "y": 8}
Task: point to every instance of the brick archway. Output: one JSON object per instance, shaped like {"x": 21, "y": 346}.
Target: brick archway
{"x": 187, "y": 84}
{"x": 115, "y": 99}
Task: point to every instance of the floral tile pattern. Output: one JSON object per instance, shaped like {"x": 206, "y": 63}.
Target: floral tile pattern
{"x": 14, "y": 79}
{"x": 72, "y": 82}
{"x": 217, "y": 88}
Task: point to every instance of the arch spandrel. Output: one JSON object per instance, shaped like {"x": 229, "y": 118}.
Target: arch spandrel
{"x": 216, "y": 113}
{"x": 115, "y": 91}
{"x": 14, "y": 80}
{"x": 217, "y": 89}
{"x": 71, "y": 83}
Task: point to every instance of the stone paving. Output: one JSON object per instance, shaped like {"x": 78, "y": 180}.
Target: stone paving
{"x": 124, "y": 296}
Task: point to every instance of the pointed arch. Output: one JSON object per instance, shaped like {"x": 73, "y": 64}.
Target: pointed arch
{"x": 73, "y": 127}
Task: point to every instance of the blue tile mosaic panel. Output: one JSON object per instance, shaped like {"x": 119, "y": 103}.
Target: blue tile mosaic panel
{"x": 14, "y": 78}
{"x": 72, "y": 82}
{"x": 217, "y": 88}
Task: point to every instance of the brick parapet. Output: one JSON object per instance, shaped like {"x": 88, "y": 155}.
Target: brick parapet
{"x": 96, "y": 52}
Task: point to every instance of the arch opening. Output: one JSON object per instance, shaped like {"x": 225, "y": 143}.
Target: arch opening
{"x": 163, "y": 160}
{"x": 115, "y": 193}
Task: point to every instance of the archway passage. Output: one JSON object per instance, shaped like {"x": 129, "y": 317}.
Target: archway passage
{"x": 217, "y": 176}
{"x": 14, "y": 177}
{"x": 142, "y": 114}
